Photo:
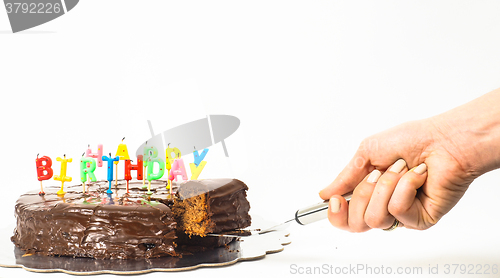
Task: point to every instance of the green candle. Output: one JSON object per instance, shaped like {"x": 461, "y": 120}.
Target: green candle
{"x": 155, "y": 176}
{"x": 87, "y": 168}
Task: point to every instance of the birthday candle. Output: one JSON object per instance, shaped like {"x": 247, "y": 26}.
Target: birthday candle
{"x": 131, "y": 167}
{"x": 122, "y": 153}
{"x": 169, "y": 161}
{"x": 198, "y": 164}
{"x": 196, "y": 170}
{"x": 150, "y": 152}
{"x": 155, "y": 176}
{"x": 170, "y": 158}
{"x": 87, "y": 168}
{"x": 97, "y": 155}
{"x": 43, "y": 170}
{"x": 62, "y": 177}
{"x": 199, "y": 157}
{"x": 178, "y": 169}
{"x": 110, "y": 161}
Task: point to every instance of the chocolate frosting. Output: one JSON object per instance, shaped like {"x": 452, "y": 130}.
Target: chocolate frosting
{"x": 120, "y": 225}
{"x": 227, "y": 205}
{"x": 98, "y": 225}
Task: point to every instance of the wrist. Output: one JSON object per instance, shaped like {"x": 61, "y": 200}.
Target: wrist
{"x": 471, "y": 133}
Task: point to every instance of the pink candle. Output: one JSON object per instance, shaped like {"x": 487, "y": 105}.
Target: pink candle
{"x": 178, "y": 169}
{"x": 97, "y": 155}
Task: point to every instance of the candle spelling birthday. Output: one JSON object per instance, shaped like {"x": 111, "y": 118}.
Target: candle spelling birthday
{"x": 149, "y": 166}
{"x": 87, "y": 168}
{"x": 62, "y": 177}
{"x": 129, "y": 167}
{"x": 43, "y": 170}
{"x": 168, "y": 163}
{"x": 151, "y": 161}
{"x": 178, "y": 169}
{"x": 110, "y": 161}
{"x": 198, "y": 164}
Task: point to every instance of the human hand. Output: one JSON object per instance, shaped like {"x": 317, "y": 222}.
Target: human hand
{"x": 418, "y": 198}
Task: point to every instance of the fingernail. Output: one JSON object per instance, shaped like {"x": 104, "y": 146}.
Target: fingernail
{"x": 398, "y": 166}
{"x": 334, "y": 205}
{"x": 373, "y": 177}
{"x": 422, "y": 168}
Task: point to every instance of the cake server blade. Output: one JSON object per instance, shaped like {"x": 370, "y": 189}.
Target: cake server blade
{"x": 303, "y": 216}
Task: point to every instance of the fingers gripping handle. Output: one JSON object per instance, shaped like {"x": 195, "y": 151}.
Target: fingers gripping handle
{"x": 315, "y": 212}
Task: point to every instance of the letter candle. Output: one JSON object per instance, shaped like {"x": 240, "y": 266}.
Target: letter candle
{"x": 122, "y": 153}
{"x": 62, "y": 177}
{"x": 178, "y": 169}
{"x": 168, "y": 163}
{"x": 43, "y": 170}
{"x": 130, "y": 167}
{"x": 150, "y": 153}
{"x": 87, "y": 168}
{"x": 110, "y": 161}
{"x": 198, "y": 164}
{"x": 154, "y": 176}
{"x": 97, "y": 155}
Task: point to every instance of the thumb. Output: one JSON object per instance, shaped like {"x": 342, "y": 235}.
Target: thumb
{"x": 349, "y": 178}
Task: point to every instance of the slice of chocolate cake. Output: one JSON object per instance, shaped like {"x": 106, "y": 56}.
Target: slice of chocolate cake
{"x": 211, "y": 206}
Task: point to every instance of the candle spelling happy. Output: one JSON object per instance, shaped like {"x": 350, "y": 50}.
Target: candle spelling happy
{"x": 122, "y": 153}
{"x": 97, "y": 155}
{"x": 198, "y": 164}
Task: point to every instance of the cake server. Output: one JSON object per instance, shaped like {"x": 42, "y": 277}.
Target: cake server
{"x": 303, "y": 216}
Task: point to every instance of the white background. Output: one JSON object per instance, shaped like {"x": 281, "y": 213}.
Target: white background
{"x": 308, "y": 80}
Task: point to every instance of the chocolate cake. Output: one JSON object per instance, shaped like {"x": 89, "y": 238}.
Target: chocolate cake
{"x": 130, "y": 225}
{"x": 206, "y": 207}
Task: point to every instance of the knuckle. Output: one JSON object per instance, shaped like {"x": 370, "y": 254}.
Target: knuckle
{"x": 409, "y": 179}
{"x": 386, "y": 183}
{"x": 375, "y": 221}
{"x": 358, "y": 226}
{"x": 363, "y": 191}
{"x": 396, "y": 208}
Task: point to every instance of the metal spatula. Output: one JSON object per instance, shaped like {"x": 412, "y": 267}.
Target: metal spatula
{"x": 303, "y": 216}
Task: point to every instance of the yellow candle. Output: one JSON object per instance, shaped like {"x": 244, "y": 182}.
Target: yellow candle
{"x": 195, "y": 171}
{"x": 170, "y": 159}
{"x": 122, "y": 153}
{"x": 62, "y": 177}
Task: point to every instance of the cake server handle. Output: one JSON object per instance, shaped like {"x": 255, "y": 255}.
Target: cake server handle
{"x": 307, "y": 215}
{"x": 315, "y": 212}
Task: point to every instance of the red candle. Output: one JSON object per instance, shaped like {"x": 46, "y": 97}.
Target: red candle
{"x": 43, "y": 170}
{"x": 131, "y": 167}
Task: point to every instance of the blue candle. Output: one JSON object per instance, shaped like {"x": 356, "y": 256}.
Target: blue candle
{"x": 198, "y": 158}
{"x": 110, "y": 161}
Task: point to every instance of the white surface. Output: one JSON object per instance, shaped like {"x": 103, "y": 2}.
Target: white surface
{"x": 308, "y": 80}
